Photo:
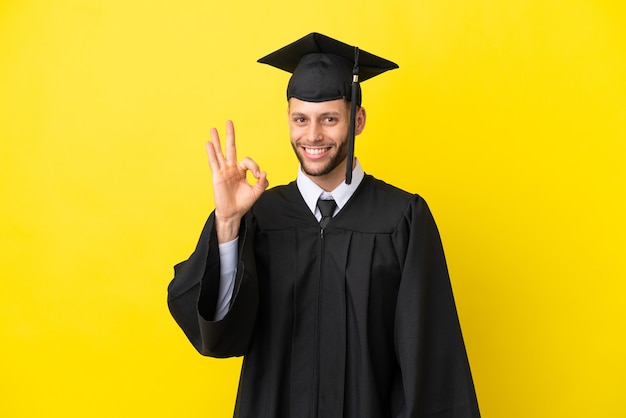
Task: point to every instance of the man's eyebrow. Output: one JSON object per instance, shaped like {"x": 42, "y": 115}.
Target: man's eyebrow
{"x": 320, "y": 115}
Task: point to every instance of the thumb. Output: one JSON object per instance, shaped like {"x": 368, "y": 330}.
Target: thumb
{"x": 261, "y": 183}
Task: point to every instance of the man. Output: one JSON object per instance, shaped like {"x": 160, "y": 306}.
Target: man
{"x": 336, "y": 293}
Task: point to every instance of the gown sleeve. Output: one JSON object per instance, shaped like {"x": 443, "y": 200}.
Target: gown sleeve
{"x": 192, "y": 295}
{"x": 436, "y": 380}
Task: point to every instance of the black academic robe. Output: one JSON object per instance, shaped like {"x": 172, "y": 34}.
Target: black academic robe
{"x": 356, "y": 320}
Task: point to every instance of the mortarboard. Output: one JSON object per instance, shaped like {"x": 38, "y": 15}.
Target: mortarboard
{"x": 325, "y": 69}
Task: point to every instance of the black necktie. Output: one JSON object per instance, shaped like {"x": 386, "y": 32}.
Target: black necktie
{"x": 327, "y": 208}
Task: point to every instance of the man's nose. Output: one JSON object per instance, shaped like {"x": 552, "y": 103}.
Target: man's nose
{"x": 315, "y": 132}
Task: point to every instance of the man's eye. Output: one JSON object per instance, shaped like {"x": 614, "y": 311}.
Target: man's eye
{"x": 299, "y": 120}
{"x": 330, "y": 119}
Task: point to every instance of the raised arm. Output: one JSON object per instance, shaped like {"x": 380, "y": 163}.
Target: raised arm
{"x": 233, "y": 194}
{"x": 215, "y": 326}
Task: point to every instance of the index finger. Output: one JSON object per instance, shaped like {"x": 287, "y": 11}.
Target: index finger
{"x": 231, "y": 149}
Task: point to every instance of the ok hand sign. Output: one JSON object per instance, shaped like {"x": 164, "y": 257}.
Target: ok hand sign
{"x": 232, "y": 193}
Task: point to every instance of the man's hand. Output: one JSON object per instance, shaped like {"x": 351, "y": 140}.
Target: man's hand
{"x": 232, "y": 193}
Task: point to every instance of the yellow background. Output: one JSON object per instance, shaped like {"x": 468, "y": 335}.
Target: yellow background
{"x": 509, "y": 117}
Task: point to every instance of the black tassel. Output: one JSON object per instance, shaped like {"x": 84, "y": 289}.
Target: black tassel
{"x": 353, "y": 100}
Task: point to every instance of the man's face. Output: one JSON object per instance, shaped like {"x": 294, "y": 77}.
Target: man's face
{"x": 319, "y": 136}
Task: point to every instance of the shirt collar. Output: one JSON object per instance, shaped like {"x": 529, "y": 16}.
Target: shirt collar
{"x": 311, "y": 192}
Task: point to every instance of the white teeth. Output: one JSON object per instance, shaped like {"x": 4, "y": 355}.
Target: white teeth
{"x": 315, "y": 151}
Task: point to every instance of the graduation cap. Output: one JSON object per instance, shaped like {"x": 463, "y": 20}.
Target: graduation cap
{"x": 325, "y": 69}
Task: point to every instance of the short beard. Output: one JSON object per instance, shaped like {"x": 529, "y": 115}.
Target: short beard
{"x": 335, "y": 161}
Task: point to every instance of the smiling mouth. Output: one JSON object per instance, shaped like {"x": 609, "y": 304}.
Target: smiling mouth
{"x": 316, "y": 151}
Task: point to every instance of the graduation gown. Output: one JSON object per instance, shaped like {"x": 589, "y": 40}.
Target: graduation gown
{"x": 355, "y": 320}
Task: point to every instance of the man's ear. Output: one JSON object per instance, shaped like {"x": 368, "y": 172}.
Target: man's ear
{"x": 361, "y": 116}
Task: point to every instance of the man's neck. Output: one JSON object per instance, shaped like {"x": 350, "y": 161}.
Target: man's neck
{"x": 342, "y": 193}
{"x": 329, "y": 182}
